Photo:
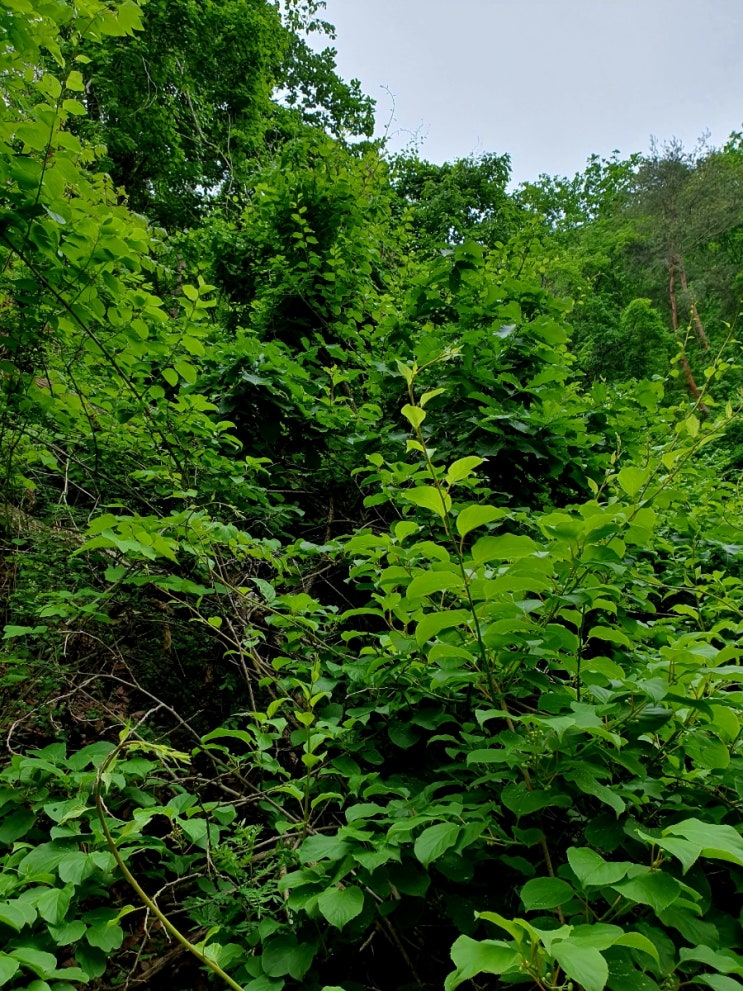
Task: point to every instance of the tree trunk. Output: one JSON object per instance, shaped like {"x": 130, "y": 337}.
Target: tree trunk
{"x": 701, "y": 334}
{"x": 690, "y": 381}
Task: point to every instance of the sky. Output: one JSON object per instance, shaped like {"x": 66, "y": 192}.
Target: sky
{"x": 549, "y": 82}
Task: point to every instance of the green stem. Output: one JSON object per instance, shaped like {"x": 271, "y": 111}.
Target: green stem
{"x": 140, "y": 892}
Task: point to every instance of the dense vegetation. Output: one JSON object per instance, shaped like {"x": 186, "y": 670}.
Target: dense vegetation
{"x": 370, "y": 534}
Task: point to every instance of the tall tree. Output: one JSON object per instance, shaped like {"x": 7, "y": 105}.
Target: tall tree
{"x": 187, "y": 104}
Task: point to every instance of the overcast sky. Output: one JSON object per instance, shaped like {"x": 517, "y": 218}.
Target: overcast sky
{"x": 547, "y": 81}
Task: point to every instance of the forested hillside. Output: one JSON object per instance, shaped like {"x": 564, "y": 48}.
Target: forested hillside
{"x": 370, "y": 534}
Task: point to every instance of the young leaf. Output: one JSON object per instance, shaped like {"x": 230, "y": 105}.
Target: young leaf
{"x": 472, "y": 517}
{"x": 462, "y": 468}
{"x": 428, "y": 497}
{"x": 414, "y": 415}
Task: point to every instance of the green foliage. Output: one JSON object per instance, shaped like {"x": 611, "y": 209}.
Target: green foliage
{"x": 447, "y": 642}
{"x": 456, "y": 201}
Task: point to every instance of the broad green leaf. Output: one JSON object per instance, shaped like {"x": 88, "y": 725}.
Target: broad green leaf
{"x": 16, "y": 825}
{"x": 75, "y": 81}
{"x": 68, "y": 932}
{"x": 725, "y": 961}
{"x": 17, "y": 914}
{"x": 599, "y": 935}
{"x": 436, "y": 840}
{"x": 52, "y": 906}
{"x": 74, "y": 107}
{"x": 707, "y": 752}
{"x": 472, "y": 517}
{"x": 106, "y": 936}
{"x": 41, "y": 963}
{"x": 187, "y": 371}
{"x": 632, "y": 479}
{"x": 320, "y": 847}
{"x": 639, "y": 942}
{"x": 610, "y": 635}
{"x": 692, "y": 425}
{"x": 590, "y": 786}
{"x": 718, "y": 982}
{"x": 429, "y": 497}
{"x": 718, "y": 842}
{"x": 435, "y": 622}
{"x": 406, "y": 372}
{"x": 430, "y": 582}
{"x": 284, "y": 955}
{"x": 582, "y": 964}
{"x": 545, "y": 892}
{"x": 508, "y": 547}
{"x": 487, "y": 956}
{"x": 462, "y": 468}
{"x": 591, "y": 869}
{"x": 414, "y": 415}
{"x": 655, "y": 888}
{"x": 339, "y": 905}
{"x": 8, "y": 967}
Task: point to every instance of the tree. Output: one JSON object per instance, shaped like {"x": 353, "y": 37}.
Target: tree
{"x": 188, "y": 104}
{"x": 456, "y": 201}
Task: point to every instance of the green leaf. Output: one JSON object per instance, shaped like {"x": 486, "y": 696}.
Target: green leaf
{"x": 74, "y": 107}
{"x": 508, "y": 547}
{"x": 430, "y": 582}
{"x": 632, "y": 479}
{"x": 725, "y": 961}
{"x": 582, "y": 964}
{"x": 487, "y": 956}
{"x": 435, "y": 622}
{"x": 462, "y": 468}
{"x": 610, "y": 635}
{"x": 428, "y": 396}
{"x": 591, "y": 869}
{"x": 338, "y": 905}
{"x": 639, "y": 942}
{"x": 284, "y": 955}
{"x": 68, "y": 932}
{"x": 718, "y": 842}
{"x": 320, "y": 847}
{"x": 414, "y": 415}
{"x": 435, "y": 841}
{"x": 53, "y": 905}
{"x": 17, "y": 914}
{"x": 545, "y": 892}
{"x": 656, "y": 889}
{"x": 187, "y": 371}
{"x": 105, "y": 936}
{"x": 8, "y": 967}
{"x": 75, "y": 81}
{"x": 16, "y": 824}
{"x": 472, "y": 517}
{"x": 41, "y": 963}
{"x": 429, "y": 497}
{"x": 692, "y": 425}
{"x": 719, "y": 982}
